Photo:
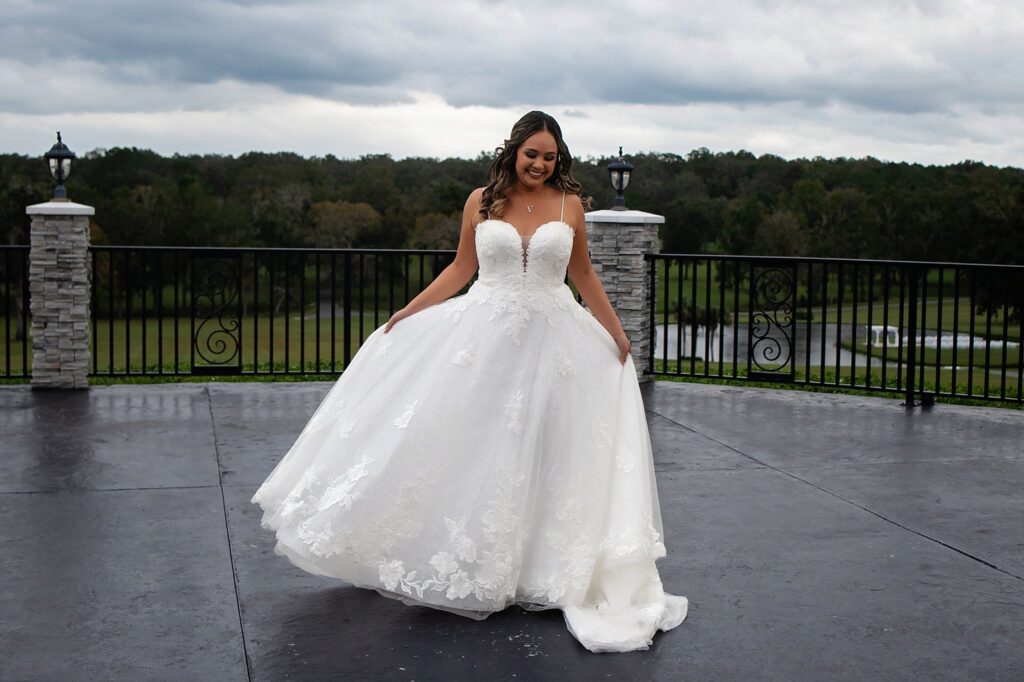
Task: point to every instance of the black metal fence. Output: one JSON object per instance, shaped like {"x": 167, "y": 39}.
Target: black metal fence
{"x": 15, "y": 360}
{"x": 174, "y": 310}
{"x": 916, "y": 328}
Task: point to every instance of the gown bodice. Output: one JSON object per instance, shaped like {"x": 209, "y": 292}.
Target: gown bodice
{"x": 511, "y": 261}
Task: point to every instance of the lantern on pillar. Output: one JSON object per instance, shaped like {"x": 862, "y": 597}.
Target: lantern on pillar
{"x": 59, "y": 158}
{"x": 619, "y": 171}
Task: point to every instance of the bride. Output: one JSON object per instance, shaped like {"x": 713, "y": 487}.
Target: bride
{"x": 491, "y": 448}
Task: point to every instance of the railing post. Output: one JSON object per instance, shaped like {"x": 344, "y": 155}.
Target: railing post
{"x": 912, "y": 273}
{"x": 652, "y": 283}
{"x": 346, "y": 311}
{"x": 59, "y": 294}
{"x": 618, "y": 241}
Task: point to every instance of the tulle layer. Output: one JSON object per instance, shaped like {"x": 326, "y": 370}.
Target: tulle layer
{"x": 488, "y": 450}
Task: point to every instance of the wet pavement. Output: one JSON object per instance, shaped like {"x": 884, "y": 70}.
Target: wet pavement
{"x": 817, "y": 537}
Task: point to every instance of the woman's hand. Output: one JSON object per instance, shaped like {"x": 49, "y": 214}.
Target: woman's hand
{"x": 399, "y": 315}
{"x": 622, "y": 341}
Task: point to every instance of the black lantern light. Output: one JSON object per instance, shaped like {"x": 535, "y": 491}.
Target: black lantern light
{"x": 59, "y": 158}
{"x": 620, "y": 171}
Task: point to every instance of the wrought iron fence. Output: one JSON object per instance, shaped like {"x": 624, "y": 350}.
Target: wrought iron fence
{"x": 915, "y": 328}
{"x": 921, "y": 329}
{"x": 15, "y": 348}
{"x": 176, "y": 310}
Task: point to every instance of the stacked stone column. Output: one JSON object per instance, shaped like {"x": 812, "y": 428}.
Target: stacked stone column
{"x": 618, "y": 241}
{"x": 59, "y": 286}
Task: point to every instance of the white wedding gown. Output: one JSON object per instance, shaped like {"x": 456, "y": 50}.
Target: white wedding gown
{"x": 489, "y": 450}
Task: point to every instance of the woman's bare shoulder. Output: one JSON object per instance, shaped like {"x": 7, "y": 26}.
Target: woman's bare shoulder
{"x": 573, "y": 201}
{"x": 575, "y": 213}
{"x": 472, "y": 209}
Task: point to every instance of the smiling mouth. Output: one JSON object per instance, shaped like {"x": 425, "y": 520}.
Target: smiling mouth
{"x": 536, "y": 174}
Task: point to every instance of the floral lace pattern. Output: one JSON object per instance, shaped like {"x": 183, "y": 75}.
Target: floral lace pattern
{"x": 382, "y": 349}
{"x": 513, "y": 313}
{"x": 463, "y": 568}
{"x": 564, "y": 364}
{"x": 641, "y": 540}
{"x": 345, "y": 429}
{"x": 402, "y": 420}
{"x": 576, "y": 552}
{"x": 464, "y": 357}
{"x": 399, "y": 523}
{"x": 340, "y": 491}
{"x": 514, "y": 411}
{"x": 297, "y": 500}
{"x": 601, "y": 437}
{"x": 626, "y": 459}
{"x": 455, "y": 307}
{"x": 326, "y": 530}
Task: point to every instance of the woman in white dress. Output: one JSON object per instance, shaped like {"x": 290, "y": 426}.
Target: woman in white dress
{"x": 491, "y": 448}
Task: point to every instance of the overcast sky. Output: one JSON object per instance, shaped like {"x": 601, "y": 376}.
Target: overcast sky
{"x": 932, "y": 81}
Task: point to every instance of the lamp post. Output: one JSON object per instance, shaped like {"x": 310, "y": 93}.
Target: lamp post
{"x": 59, "y": 282}
{"x": 620, "y": 170}
{"x": 59, "y": 158}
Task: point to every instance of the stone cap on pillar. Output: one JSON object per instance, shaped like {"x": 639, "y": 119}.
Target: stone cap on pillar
{"x": 628, "y": 216}
{"x": 60, "y": 208}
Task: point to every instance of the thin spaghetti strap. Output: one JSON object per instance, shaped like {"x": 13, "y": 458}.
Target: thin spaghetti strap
{"x": 561, "y": 214}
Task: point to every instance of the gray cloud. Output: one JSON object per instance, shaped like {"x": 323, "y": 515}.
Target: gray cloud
{"x": 901, "y": 57}
{"x": 882, "y": 65}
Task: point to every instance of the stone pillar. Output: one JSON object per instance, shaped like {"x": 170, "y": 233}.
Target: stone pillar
{"x": 618, "y": 242}
{"x": 59, "y": 294}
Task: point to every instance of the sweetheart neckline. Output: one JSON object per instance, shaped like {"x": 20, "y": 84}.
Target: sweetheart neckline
{"x": 522, "y": 236}
{"x": 527, "y": 240}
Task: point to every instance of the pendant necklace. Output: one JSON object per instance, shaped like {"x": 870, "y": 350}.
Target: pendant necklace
{"x": 529, "y": 208}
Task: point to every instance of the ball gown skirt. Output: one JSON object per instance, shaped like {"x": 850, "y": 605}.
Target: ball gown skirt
{"x": 489, "y": 450}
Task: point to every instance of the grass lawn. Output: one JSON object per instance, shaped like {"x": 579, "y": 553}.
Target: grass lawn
{"x": 703, "y": 294}
{"x": 840, "y": 381}
{"x": 929, "y": 310}
{"x": 932, "y": 314}
{"x": 930, "y": 357}
{"x": 299, "y": 344}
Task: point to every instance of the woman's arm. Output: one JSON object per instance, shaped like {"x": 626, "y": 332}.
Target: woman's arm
{"x": 589, "y": 285}
{"x": 453, "y": 277}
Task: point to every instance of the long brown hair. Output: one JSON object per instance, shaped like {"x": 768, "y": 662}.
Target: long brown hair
{"x": 502, "y": 175}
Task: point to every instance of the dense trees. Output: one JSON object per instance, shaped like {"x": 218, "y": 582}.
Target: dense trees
{"x": 731, "y": 202}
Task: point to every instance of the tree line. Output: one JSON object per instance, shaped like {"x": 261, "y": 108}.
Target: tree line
{"x": 717, "y": 202}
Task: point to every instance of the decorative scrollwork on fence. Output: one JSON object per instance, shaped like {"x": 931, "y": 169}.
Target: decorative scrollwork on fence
{"x": 216, "y": 341}
{"x": 772, "y": 321}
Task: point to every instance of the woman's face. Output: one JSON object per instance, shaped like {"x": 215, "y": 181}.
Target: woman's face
{"x": 535, "y": 161}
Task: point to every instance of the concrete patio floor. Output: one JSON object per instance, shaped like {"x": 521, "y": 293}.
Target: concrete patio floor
{"x": 818, "y": 537}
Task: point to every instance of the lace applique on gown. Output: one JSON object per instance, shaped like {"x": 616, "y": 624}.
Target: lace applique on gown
{"x": 489, "y": 450}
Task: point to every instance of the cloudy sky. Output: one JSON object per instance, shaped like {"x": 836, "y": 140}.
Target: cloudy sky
{"x": 933, "y": 81}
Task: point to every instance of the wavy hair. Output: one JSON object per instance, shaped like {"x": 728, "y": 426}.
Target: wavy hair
{"x": 502, "y": 174}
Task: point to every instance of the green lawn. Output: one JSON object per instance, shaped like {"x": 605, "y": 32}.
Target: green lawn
{"x": 815, "y": 378}
{"x": 703, "y": 294}
{"x": 112, "y": 338}
{"x": 931, "y": 357}
{"x": 932, "y": 313}
{"x": 929, "y": 309}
